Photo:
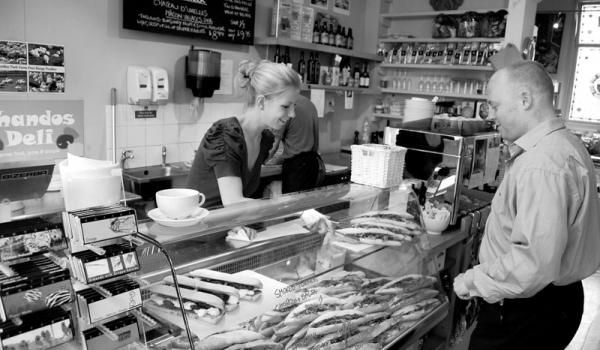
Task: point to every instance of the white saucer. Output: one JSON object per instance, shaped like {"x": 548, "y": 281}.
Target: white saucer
{"x": 197, "y": 215}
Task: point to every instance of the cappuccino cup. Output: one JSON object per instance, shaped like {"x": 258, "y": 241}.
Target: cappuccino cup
{"x": 178, "y": 203}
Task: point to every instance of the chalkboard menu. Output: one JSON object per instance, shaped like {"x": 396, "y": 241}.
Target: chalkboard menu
{"x": 220, "y": 20}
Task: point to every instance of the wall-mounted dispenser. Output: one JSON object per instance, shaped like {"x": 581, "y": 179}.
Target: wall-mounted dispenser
{"x": 203, "y": 72}
{"x": 160, "y": 85}
{"x": 139, "y": 85}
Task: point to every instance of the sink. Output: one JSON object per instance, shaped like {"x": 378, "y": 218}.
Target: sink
{"x": 155, "y": 172}
{"x": 146, "y": 181}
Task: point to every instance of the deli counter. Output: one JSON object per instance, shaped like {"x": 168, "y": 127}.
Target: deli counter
{"x": 296, "y": 281}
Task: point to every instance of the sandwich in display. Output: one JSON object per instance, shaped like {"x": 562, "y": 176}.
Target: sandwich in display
{"x": 225, "y": 339}
{"x": 406, "y": 284}
{"x": 371, "y": 285}
{"x": 335, "y": 321}
{"x": 339, "y": 285}
{"x": 411, "y": 298}
{"x": 249, "y": 288}
{"x": 229, "y": 295}
{"x": 416, "y": 311}
{"x": 371, "y": 235}
{"x": 198, "y": 305}
{"x": 369, "y": 303}
{"x": 310, "y": 310}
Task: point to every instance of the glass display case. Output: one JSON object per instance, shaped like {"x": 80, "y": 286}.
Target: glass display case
{"x": 340, "y": 267}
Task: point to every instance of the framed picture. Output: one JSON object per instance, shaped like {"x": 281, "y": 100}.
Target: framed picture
{"x": 322, "y": 4}
{"x": 341, "y": 6}
{"x": 549, "y": 39}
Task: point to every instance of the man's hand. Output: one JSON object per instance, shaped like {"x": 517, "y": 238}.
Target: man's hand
{"x": 460, "y": 288}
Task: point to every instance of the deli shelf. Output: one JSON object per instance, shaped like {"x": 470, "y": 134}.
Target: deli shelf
{"x": 439, "y": 94}
{"x": 426, "y": 14}
{"x": 316, "y": 47}
{"x": 440, "y": 40}
{"x": 369, "y": 91}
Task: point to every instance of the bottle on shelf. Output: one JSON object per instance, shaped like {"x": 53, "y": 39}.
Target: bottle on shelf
{"x": 349, "y": 40}
{"x": 316, "y": 34}
{"x": 331, "y": 35}
{"x": 302, "y": 67}
{"x": 338, "y": 36}
{"x": 356, "y": 75}
{"x": 324, "y": 34}
{"x": 310, "y": 69}
{"x": 277, "y": 57}
{"x": 365, "y": 79}
{"x": 317, "y": 68}
{"x": 286, "y": 58}
{"x": 345, "y": 71}
{"x": 344, "y": 38}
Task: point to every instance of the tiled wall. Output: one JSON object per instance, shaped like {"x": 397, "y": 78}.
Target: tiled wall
{"x": 178, "y": 127}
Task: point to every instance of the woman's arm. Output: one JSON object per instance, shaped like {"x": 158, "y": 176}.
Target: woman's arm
{"x": 231, "y": 190}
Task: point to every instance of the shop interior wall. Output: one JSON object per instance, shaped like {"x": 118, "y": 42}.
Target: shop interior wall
{"x": 97, "y": 53}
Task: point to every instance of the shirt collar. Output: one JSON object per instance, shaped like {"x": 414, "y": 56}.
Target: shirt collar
{"x": 532, "y": 137}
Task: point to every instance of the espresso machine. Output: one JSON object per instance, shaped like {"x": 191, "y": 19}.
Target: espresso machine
{"x": 452, "y": 165}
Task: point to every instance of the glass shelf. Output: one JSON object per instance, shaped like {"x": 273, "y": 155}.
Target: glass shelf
{"x": 387, "y": 115}
{"x": 436, "y": 66}
{"x": 440, "y": 40}
{"x": 371, "y": 90}
{"x": 316, "y": 47}
{"x": 425, "y": 14}
{"x": 439, "y": 94}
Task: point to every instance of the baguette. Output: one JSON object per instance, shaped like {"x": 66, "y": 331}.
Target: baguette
{"x": 198, "y": 305}
{"x": 225, "y": 339}
{"x": 373, "y": 236}
{"x": 263, "y": 344}
{"x": 371, "y": 285}
{"x": 404, "y": 300}
{"x": 416, "y": 311}
{"x": 248, "y": 288}
{"x": 369, "y": 303}
{"x": 406, "y": 284}
{"x": 343, "y": 340}
{"x": 229, "y": 295}
{"x": 310, "y": 310}
{"x": 334, "y": 321}
{"x": 338, "y": 285}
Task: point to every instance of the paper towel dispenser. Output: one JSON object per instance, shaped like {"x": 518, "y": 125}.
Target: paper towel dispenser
{"x": 203, "y": 72}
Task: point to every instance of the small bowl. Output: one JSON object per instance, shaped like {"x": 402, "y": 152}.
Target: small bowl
{"x": 436, "y": 226}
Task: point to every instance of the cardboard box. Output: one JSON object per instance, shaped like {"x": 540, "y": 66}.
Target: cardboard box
{"x": 281, "y": 18}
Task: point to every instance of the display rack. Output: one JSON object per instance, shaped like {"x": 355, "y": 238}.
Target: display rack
{"x": 430, "y": 14}
{"x": 439, "y": 94}
{"x": 436, "y": 66}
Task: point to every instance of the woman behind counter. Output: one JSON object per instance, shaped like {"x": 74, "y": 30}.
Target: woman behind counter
{"x": 227, "y": 166}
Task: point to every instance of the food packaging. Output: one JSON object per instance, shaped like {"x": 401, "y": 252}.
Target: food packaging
{"x": 99, "y": 224}
{"x": 125, "y": 328}
{"x": 40, "y": 330}
{"x": 24, "y": 238}
{"x": 109, "y": 299}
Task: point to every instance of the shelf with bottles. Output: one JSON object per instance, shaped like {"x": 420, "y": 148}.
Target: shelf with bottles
{"x": 369, "y": 91}
{"x": 388, "y": 116}
{"x": 428, "y": 14}
{"x": 436, "y": 66}
{"x": 316, "y": 47}
{"x": 432, "y": 93}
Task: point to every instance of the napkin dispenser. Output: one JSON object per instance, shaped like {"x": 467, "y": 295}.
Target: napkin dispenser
{"x": 203, "y": 72}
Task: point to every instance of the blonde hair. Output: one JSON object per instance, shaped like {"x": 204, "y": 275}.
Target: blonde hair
{"x": 264, "y": 78}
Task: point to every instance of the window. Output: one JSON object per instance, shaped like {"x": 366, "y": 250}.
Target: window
{"x": 585, "y": 99}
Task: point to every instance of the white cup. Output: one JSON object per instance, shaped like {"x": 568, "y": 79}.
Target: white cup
{"x": 178, "y": 203}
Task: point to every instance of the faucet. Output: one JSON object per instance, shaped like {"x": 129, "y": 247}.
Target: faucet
{"x": 127, "y": 154}
{"x": 164, "y": 156}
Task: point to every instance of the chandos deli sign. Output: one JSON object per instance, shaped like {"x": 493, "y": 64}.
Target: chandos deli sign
{"x": 40, "y": 129}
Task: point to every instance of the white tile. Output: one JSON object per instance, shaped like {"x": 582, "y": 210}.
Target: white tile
{"x": 172, "y": 153}
{"x": 125, "y": 114}
{"x": 187, "y": 132}
{"x": 159, "y": 120}
{"x": 201, "y": 130}
{"x": 170, "y": 134}
{"x": 139, "y": 158}
{"x": 154, "y": 155}
{"x": 121, "y": 136}
{"x": 136, "y": 136}
{"x": 154, "y": 135}
{"x": 185, "y": 113}
{"x": 187, "y": 152}
{"x": 169, "y": 114}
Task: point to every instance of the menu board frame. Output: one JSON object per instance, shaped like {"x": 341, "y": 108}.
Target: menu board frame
{"x": 216, "y": 20}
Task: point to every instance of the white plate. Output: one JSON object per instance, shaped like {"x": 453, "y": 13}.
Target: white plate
{"x": 197, "y": 215}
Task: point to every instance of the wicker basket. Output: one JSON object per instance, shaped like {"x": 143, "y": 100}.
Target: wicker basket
{"x": 377, "y": 165}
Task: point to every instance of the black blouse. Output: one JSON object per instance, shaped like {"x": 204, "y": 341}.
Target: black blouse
{"x": 223, "y": 152}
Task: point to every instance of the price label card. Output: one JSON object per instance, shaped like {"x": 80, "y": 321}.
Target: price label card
{"x": 349, "y": 100}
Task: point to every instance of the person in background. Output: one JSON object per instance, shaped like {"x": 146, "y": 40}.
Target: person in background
{"x": 543, "y": 233}
{"x": 302, "y": 166}
{"x": 227, "y": 165}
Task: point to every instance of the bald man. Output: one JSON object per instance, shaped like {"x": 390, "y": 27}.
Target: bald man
{"x": 543, "y": 234}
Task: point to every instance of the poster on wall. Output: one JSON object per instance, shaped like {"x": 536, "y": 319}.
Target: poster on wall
{"x": 341, "y": 6}
{"x": 40, "y": 129}
{"x": 31, "y": 67}
{"x": 322, "y": 4}
{"x": 586, "y": 87}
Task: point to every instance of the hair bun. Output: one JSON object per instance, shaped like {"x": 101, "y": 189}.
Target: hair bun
{"x": 245, "y": 70}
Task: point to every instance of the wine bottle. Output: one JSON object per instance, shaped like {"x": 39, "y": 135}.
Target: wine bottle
{"x": 331, "y": 35}
{"x": 310, "y": 69}
{"x": 277, "y": 57}
{"x": 316, "y": 34}
{"x": 302, "y": 67}
{"x": 350, "y": 40}
{"x": 338, "y": 36}
{"x": 364, "y": 77}
{"x": 356, "y": 75}
{"x": 286, "y": 57}
{"x": 324, "y": 35}
{"x": 317, "y": 68}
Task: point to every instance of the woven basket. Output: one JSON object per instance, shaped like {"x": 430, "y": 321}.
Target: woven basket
{"x": 377, "y": 165}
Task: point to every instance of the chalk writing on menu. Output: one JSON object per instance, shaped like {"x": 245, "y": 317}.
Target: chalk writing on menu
{"x": 219, "y": 20}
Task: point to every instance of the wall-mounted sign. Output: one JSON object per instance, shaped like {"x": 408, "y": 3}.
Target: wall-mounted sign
{"x": 30, "y": 67}
{"x": 219, "y": 20}
{"x": 40, "y": 129}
